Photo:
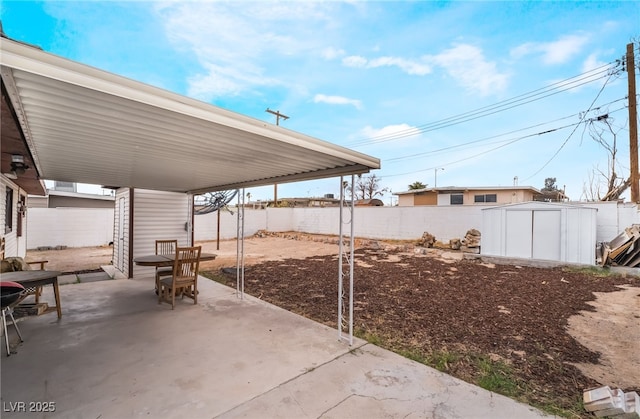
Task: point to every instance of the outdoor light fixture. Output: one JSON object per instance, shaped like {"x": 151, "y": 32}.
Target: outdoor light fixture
{"x": 18, "y": 166}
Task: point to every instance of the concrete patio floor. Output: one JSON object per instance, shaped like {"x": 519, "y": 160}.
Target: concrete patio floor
{"x": 116, "y": 353}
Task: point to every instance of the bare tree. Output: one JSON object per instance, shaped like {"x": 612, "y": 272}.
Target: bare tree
{"x": 600, "y": 128}
{"x": 368, "y": 187}
{"x": 591, "y": 188}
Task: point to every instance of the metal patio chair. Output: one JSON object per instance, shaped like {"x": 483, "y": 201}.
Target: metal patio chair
{"x": 12, "y": 294}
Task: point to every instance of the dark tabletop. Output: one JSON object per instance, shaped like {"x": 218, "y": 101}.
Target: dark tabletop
{"x": 23, "y": 277}
{"x": 166, "y": 260}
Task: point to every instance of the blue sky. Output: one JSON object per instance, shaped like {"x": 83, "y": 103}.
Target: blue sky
{"x": 481, "y": 92}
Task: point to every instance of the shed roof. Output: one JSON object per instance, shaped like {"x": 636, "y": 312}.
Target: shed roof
{"x": 82, "y": 124}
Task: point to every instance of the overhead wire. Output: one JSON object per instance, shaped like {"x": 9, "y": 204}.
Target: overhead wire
{"x": 574, "y": 130}
{"x": 525, "y": 98}
{"x": 507, "y": 143}
{"x": 415, "y": 155}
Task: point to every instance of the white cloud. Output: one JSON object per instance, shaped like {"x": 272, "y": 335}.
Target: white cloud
{"x": 331, "y": 53}
{"x": 238, "y": 46}
{"x": 337, "y": 100}
{"x": 464, "y": 63}
{"x": 468, "y": 66}
{"x": 556, "y": 52}
{"x": 408, "y": 66}
{"x": 225, "y": 81}
{"x": 563, "y": 49}
{"x": 388, "y": 132}
{"x": 355, "y": 61}
{"x": 591, "y": 63}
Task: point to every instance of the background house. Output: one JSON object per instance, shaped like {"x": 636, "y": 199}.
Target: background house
{"x": 471, "y": 195}
{"x": 61, "y": 199}
{"x": 369, "y": 203}
{"x": 64, "y": 217}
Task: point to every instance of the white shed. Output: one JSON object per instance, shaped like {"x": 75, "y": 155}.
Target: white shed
{"x": 540, "y": 230}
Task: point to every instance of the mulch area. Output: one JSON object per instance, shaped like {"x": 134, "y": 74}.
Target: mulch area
{"x": 514, "y": 315}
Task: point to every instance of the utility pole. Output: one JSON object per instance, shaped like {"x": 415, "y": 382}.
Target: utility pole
{"x": 633, "y": 125}
{"x": 435, "y": 176}
{"x": 275, "y": 185}
{"x": 278, "y": 115}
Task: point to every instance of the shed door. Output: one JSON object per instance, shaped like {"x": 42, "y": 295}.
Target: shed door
{"x": 546, "y": 235}
{"x": 518, "y": 240}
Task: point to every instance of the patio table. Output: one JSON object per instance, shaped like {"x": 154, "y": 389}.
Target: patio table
{"x": 160, "y": 261}
{"x": 33, "y": 279}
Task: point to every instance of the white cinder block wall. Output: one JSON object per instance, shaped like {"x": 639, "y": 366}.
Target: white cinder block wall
{"x": 395, "y": 223}
{"x": 206, "y": 225}
{"x": 399, "y": 223}
{"x": 71, "y": 227}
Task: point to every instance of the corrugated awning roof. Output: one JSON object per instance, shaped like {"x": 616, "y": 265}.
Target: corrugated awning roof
{"x": 86, "y": 125}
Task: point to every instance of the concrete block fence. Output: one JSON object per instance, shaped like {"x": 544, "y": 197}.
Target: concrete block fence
{"x": 78, "y": 227}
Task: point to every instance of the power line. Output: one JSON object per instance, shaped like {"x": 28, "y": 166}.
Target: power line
{"x": 525, "y": 98}
{"x": 506, "y": 142}
{"x": 415, "y": 155}
{"x": 509, "y": 142}
{"x": 572, "y": 132}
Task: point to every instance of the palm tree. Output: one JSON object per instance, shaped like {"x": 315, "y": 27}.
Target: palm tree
{"x": 417, "y": 185}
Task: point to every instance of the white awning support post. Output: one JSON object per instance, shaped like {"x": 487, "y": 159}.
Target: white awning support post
{"x": 240, "y": 247}
{"x": 345, "y": 264}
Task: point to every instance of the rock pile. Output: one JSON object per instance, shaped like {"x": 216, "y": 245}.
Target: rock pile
{"x": 471, "y": 241}
{"x": 427, "y": 240}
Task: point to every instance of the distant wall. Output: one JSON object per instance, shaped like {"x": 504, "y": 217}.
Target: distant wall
{"x": 205, "y": 227}
{"x": 72, "y": 227}
{"x": 613, "y": 218}
{"x": 400, "y": 223}
{"x": 391, "y": 223}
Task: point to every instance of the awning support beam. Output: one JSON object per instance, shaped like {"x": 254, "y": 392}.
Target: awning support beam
{"x": 345, "y": 263}
{"x": 240, "y": 246}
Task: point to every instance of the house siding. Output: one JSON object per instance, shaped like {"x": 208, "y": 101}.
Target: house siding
{"x": 443, "y": 197}
{"x": 406, "y": 200}
{"x": 15, "y": 245}
{"x": 425, "y": 199}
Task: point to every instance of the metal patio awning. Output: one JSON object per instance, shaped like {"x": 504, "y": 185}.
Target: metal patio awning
{"x": 82, "y": 124}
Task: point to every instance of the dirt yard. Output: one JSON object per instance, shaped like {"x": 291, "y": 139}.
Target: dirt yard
{"x": 541, "y": 335}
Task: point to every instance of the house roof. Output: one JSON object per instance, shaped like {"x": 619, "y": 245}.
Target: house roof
{"x": 369, "y": 203}
{"x": 470, "y": 188}
{"x": 82, "y": 124}
{"x": 81, "y": 195}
